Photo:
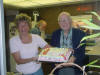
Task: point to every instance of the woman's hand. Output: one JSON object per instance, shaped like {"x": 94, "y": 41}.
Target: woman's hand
{"x": 35, "y": 59}
{"x": 46, "y": 46}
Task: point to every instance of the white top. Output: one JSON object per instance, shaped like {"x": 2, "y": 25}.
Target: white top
{"x": 27, "y": 51}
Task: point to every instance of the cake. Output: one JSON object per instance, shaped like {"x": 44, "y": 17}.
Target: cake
{"x": 55, "y": 55}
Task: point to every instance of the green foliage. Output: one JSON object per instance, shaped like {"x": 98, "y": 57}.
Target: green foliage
{"x": 90, "y": 36}
{"x": 96, "y": 66}
{"x": 10, "y": 73}
{"x": 91, "y": 64}
{"x": 92, "y": 26}
{"x": 94, "y": 13}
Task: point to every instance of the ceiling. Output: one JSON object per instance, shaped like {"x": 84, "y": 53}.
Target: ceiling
{"x": 39, "y": 3}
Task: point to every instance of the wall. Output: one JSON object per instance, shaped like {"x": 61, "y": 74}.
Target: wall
{"x": 50, "y": 14}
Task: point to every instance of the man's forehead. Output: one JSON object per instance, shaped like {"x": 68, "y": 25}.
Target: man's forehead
{"x": 63, "y": 16}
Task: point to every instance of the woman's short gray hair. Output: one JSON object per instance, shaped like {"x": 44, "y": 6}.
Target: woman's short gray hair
{"x": 23, "y": 17}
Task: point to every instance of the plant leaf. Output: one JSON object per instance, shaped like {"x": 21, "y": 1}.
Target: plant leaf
{"x": 93, "y": 62}
{"x": 90, "y": 36}
{"x": 91, "y": 44}
{"x": 90, "y": 25}
{"x": 94, "y": 13}
{"x": 81, "y": 44}
{"x": 96, "y": 66}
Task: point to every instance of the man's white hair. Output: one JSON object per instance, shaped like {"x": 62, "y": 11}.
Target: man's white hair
{"x": 67, "y": 14}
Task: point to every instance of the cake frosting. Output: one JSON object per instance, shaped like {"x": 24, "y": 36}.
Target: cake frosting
{"x": 55, "y": 55}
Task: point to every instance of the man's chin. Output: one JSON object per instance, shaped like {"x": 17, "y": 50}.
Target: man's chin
{"x": 65, "y": 29}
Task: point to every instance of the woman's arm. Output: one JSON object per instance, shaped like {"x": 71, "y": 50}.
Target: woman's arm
{"x": 19, "y": 60}
{"x": 46, "y": 46}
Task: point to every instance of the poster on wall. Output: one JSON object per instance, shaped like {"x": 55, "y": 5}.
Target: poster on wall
{"x": 12, "y": 29}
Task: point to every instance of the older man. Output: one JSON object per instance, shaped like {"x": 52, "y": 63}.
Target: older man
{"x": 68, "y": 37}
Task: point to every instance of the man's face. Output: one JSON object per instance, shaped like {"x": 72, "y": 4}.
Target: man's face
{"x": 64, "y": 22}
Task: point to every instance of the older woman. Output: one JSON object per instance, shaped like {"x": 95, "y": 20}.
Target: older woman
{"x": 68, "y": 37}
{"x": 24, "y": 47}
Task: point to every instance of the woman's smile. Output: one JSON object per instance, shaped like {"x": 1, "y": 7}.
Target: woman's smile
{"x": 23, "y": 27}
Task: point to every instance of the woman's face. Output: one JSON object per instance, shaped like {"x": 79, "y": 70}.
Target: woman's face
{"x": 43, "y": 26}
{"x": 23, "y": 27}
{"x": 64, "y": 22}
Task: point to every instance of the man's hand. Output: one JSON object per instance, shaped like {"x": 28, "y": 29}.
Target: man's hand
{"x": 72, "y": 59}
{"x": 70, "y": 49}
